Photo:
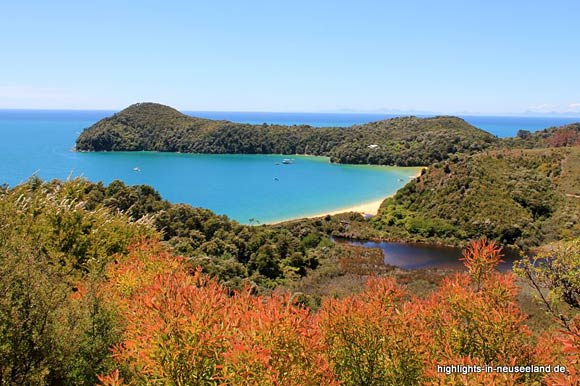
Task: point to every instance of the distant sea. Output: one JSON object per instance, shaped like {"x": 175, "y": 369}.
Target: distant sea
{"x": 240, "y": 186}
{"x": 501, "y": 126}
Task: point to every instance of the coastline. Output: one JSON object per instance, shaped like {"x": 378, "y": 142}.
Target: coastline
{"x": 366, "y": 208}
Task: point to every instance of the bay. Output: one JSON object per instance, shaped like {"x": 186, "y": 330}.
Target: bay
{"x": 243, "y": 187}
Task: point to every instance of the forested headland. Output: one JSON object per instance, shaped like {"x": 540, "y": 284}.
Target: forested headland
{"x": 406, "y": 141}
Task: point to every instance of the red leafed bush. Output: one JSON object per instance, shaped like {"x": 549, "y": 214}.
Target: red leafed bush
{"x": 477, "y": 327}
{"x": 373, "y": 337}
{"x": 480, "y": 258}
{"x": 183, "y": 328}
{"x": 567, "y": 354}
{"x": 382, "y": 336}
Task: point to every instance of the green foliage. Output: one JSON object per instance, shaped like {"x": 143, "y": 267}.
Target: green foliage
{"x": 407, "y": 141}
{"x": 30, "y": 313}
{"x": 554, "y": 272}
{"x": 517, "y": 197}
{"x": 73, "y": 233}
{"x": 232, "y": 252}
{"x": 568, "y": 135}
{"x": 78, "y": 223}
{"x": 311, "y": 240}
{"x": 49, "y": 244}
{"x": 429, "y": 227}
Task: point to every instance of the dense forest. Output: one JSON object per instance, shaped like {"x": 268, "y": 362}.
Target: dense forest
{"x": 407, "y": 141}
{"x": 235, "y": 253}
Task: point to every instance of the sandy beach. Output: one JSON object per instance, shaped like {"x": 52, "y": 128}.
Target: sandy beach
{"x": 367, "y": 208}
{"x": 371, "y": 208}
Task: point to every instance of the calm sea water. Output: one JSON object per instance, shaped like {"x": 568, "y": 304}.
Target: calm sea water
{"x": 240, "y": 186}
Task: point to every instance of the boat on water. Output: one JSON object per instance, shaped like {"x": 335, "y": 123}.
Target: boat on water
{"x": 287, "y": 161}
{"x": 136, "y": 169}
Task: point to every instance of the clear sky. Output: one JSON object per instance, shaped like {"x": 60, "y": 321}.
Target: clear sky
{"x": 465, "y": 56}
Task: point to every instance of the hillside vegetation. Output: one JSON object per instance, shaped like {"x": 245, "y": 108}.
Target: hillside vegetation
{"x": 234, "y": 253}
{"x": 102, "y": 285}
{"x": 407, "y": 141}
{"x": 59, "y": 242}
{"x": 563, "y": 136}
{"x": 518, "y": 197}
{"x": 91, "y": 296}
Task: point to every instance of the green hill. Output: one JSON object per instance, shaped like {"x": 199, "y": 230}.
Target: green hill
{"x": 406, "y": 141}
{"x": 519, "y": 197}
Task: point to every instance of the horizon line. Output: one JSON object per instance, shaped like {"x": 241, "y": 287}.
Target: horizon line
{"x": 339, "y": 112}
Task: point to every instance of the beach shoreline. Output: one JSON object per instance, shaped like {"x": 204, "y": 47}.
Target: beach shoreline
{"x": 369, "y": 208}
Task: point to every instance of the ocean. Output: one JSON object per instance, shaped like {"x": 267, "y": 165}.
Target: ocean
{"x": 243, "y": 187}
{"x": 501, "y": 126}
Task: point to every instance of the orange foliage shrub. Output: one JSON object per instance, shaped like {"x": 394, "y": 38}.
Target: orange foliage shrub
{"x": 183, "y": 328}
{"x": 567, "y": 353}
{"x": 112, "y": 379}
{"x": 480, "y": 258}
{"x": 376, "y": 338}
{"x": 478, "y": 325}
{"x": 566, "y": 136}
{"x": 276, "y": 343}
{"x": 372, "y": 338}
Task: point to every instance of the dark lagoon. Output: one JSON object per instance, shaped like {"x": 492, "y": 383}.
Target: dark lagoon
{"x": 418, "y": 256}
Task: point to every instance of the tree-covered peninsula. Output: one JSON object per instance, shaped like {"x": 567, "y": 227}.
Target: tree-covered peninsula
{"x": 405, "y": 141}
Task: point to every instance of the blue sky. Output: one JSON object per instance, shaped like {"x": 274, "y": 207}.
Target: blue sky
{"x": 466, "y": 56}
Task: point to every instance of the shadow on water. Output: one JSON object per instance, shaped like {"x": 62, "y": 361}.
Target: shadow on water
{"x": 417, "y": 256}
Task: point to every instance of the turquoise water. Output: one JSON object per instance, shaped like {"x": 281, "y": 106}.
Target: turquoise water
{"x": 240, "y": 186}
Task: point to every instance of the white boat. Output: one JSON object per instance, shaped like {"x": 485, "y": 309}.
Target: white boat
{"x": 287, "y": 161}
{"x": 136, "y": 169}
